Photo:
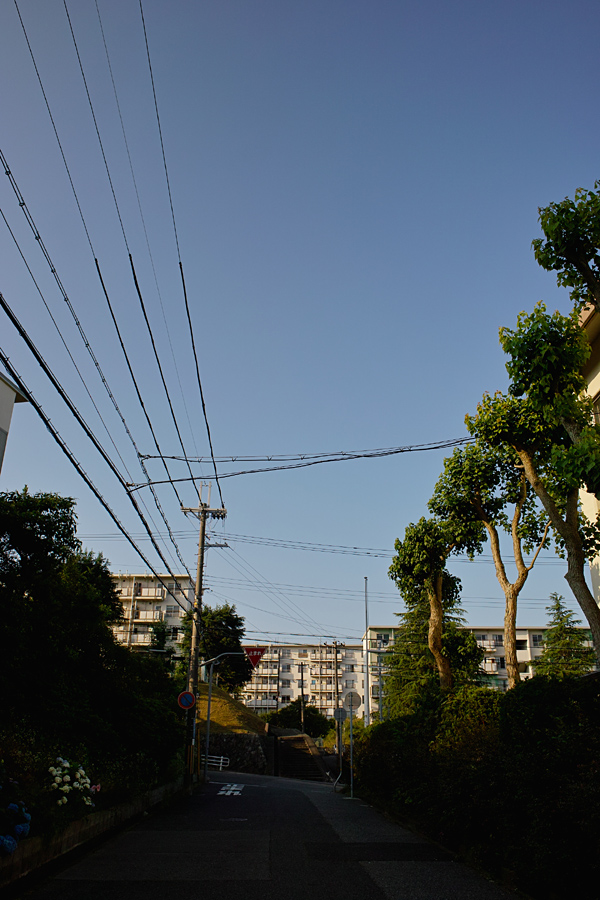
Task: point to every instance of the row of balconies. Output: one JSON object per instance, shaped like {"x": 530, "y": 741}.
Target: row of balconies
{"x": 151, "y": 615}
{"x": 150, "y": 593}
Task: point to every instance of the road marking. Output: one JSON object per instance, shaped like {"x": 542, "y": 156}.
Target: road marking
{"x": 229, "y": 790}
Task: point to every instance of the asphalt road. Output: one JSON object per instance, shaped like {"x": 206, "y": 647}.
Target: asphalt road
{"x": 250, "y": 837}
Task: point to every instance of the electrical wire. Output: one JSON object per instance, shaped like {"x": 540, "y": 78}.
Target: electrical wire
{"x": 111, "y": 311}
{"x": 31, "y": 222}
{"x": 135, "y": 280}
{"x": 143, "y": 221}
{"x": 271, "y": 591}
{"x": 327, "y": 458}
{"x": 70, "y": 456}
{"x": 187, "y": 308}
{"x": 79, "y": 418}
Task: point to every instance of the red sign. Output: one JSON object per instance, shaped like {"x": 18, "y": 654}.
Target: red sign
{"x": 254, "y": 654}
{"x": 186, "y": 700}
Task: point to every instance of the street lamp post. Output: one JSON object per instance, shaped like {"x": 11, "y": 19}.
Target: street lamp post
{"x": 212, "y": 662}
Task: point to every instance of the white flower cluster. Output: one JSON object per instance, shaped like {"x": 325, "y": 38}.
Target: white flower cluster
{"x": 63, "y": 782}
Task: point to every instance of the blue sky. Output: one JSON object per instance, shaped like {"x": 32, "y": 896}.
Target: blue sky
{"x": 355, "y": 188}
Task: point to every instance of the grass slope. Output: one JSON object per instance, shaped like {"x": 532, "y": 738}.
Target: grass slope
{"x": 226, "y": 714}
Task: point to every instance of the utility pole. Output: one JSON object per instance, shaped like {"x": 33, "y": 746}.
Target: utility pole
{"x": 302, "y": 696}
{"x": 202, "y": 512}
{"x": 278, "y": 678}
{"x": 340, "y": 724}
{"x": 367, "y": 686}
{"x": 380, "y": 690}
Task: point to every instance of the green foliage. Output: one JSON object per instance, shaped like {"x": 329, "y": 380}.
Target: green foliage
{"x": 565, "y": 654}
{"x": 572, "y": 238}
{"x": 290, "y": 716}
{"x": 67, "y": 688}
{"x": 37, "y": 535}
{"x": 160, "y": 633}
{"x": 508, "y": 780}
{"x": 411, "y": 671}
{"x": 547, "y": 353}
{"x": 546, "y": 421}
{"x": 222, "y": 631}
{"x": 426, "y": 546}
{"x": 479, "y": 482}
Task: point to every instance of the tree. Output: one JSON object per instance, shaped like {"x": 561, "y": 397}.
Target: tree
{"x": 565, "y": 654}
{"x": 547, "y": 422}
{"x": 94, "y": 699}
{"x": 160, "y": 633}
{"x": 481, "y": 482}
{"x": 572, "y": 241}
{"x": 290, "y": 716}
{"x": 418, "y": 568}
{"x": 412, "y": 673}
{"x": 221, "y": 631}
{"x": 37, "y": 535}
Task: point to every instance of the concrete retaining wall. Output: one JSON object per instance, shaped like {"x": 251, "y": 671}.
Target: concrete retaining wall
{"x": 247, "y": 752}
{"x": 32, "y": 853}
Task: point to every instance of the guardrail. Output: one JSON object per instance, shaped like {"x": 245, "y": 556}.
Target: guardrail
{"x": 216, "y": 762}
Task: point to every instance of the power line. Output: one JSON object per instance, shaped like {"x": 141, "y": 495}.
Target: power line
{"x": 70, "y": 456}
{"x": 79, "y": 418}
{"x": 187, "y": 308}
{"x": 31, "y": 222}
{"x": 319, "y": 459}
{"x": 105, "y": 292}
{"x": 142, "y": 218}
{"x": 135, "y": 280}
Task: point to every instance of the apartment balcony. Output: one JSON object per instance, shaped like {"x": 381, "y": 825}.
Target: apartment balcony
{"x": 147, "y": 615}
{"x": 152, "y": 593}
{"x": 141, "y": 639}
{"x": 490, "y": 668}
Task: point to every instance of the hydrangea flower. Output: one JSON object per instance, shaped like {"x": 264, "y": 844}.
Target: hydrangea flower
{"x": 8, "y": 843}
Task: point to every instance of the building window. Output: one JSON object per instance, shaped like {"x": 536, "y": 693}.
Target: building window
{"x": 137, "y": 589}
{"x": 285, "y": 698}
{"x": 286, "y": 667}
{"x": 172, "y": 611}
{"x": 501, "y": 662}
{"x": 286, "y": 652}
{"x": 537, "y": 640}
{"x": 521, "y": 644}
{"x": 302, "y": 654}
{"x": 286, "y": 683}
{"x": 383, "y": 638}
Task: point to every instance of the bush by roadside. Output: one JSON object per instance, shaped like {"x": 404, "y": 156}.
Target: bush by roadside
{"x": 510, "y": 781}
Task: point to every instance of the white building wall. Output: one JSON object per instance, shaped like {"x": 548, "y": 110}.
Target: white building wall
{"x": 9, "y": 395}
{"x": 288, "y": 670}
{"x": 146, "y": 601}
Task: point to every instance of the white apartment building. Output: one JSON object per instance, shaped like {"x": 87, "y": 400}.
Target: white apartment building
{"x": 327, "y": 675}
{"x": 146, "y": 601}
{"x": 529, "y": 640}
{"x": 590, "y": 321}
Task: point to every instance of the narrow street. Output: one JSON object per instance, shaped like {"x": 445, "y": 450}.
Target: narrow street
{"x": 261, "y": 838}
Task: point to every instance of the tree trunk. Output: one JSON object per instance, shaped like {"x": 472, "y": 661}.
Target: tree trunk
{"x": 510, "y": 637}
{"x": 435, "y": 633}
{"x": 568, "y": 529}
